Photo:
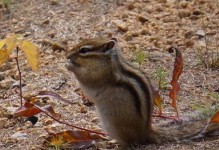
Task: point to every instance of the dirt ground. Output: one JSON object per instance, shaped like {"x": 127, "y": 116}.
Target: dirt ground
{"x": 145, "y": 27}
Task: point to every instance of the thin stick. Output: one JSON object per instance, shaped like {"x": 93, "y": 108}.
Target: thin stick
{"x": 176, "y": 118}
{"x": 63, "y": 122}
{"x": 66, "y": 123}
{"x": 19, "y": 71}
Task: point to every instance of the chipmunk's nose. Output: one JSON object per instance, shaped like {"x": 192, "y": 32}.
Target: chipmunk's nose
{"x": 68, "y": 61}
{"x": 68, "y": 64}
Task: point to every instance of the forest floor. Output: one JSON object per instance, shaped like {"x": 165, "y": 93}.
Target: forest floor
{"x": 145, "y": 30}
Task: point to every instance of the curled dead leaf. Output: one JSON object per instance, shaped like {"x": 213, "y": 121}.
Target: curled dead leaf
{"x": 178, "y": 67}
{"x": 71, "y": 139}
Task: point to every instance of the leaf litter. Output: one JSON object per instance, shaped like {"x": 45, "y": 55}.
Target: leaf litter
{"x": 161, "y": 24}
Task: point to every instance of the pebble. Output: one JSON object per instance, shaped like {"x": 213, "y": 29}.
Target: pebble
{"x": 135, "y": 34}
{"x": 162, "y": 1}
{"x": 46, "y": 22}
{"x": 170, "y": 19}
{"x": 54, "y": 2}
{"x": 131, "y": 6}
{"x": 28, "y": 124}
{"x": 6, "y": 83}
{"x": 16, "y": 76}
{"x": 3, "y": 122}
{"x": 11, "y": 110}
{"x": 17, "y": 84}
{"x": 145, "y": 32}
{"x": 48, "y": 121}
{"x": 189, "y": 43}
{"x": 124, "y": 16}
{"x": 149, "y": 9}
{"x": 159, "y": 8}
{"x": 83, "y": 110}
{"x": 143, "y": 18}
{"x": 95, "y": 120}
{"x": 2, "y": 76}
{"x": 184, "y": 4}
{"x": 194, "y": 17}
{"x": 184, "y": 13}
{"x": 19, "y": 135}
{"x": 200, "y": 33}
{"x": 122, "y": 27}
{"x": 128, "y": 37}
{"x": 197, "y": 12}
{"x": 5, "y": 66}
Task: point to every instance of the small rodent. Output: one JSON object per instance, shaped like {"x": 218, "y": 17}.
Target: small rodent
{"x": 121, "y": 93}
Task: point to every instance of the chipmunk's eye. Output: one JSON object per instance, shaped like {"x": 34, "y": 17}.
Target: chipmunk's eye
{"x": 84, "y": 50}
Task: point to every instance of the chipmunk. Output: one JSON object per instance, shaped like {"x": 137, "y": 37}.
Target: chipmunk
{"x": 121, "y": 93}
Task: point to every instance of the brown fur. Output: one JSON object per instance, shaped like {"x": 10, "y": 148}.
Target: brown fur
{"x": 121, "y": 93}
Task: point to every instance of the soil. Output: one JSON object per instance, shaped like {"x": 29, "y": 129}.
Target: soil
{"x": 142, "y": 27}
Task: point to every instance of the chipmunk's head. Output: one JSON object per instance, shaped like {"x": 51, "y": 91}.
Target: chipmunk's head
{"x": 90, "y": 59}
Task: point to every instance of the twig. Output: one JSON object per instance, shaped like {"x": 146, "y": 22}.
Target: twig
{"x": 63, "y": 122}
{"x": 176, "y": 118}
{"x": 19, "y": 71}
{"x": 66, "y": 123}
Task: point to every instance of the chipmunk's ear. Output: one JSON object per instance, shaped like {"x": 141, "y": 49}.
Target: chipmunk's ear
{"x": 110, "y": 44}
{"x": 114, "y": 39}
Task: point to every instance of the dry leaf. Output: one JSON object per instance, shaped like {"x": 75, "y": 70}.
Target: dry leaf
{"x": 158, "y": 101}
{"x": 11, "y": 42}
{"x": 3, "y": 56}
{"x": 6, "y": 47}
{"x": 33, "y": 107}
{"x": 71, "y": 139}
{"x": 31, "y": 53}
{"x": 178, "y": 66}
{"x": 2, "y": 43}
{"x": 27, "y": 110}
{"x": 215, "y": 118}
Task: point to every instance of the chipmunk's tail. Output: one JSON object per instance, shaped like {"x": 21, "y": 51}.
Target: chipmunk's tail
{"x": 192, "y": 129}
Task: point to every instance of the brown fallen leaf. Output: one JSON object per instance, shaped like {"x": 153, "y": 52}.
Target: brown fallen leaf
{"x": 157, "y": 99}
{"x": 71, "y": 140}
{"x": 33, "y": 107}
{"x": 178, "y": 66}
{"x": 215, "y": 118}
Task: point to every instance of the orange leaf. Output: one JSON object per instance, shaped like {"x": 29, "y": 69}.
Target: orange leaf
{"x": 158, "y": 101}
{"x": 27, "y": 110}
{"x": 215, "y": 118}
{"x": 178, "y": 66}
{"x": 72, "y": 139}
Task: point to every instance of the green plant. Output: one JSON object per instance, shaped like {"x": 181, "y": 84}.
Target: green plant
{"x": 207, "y": 48}
{"x": 209, "y": 57}
{"x": 214, "y": 95}
{"x": 140, "y": 56}
{"x": 208, "y": 108}
{"x": 15, "y": 42}
{"x": 161, "y": 76}
{"x": 6, "y": 3}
